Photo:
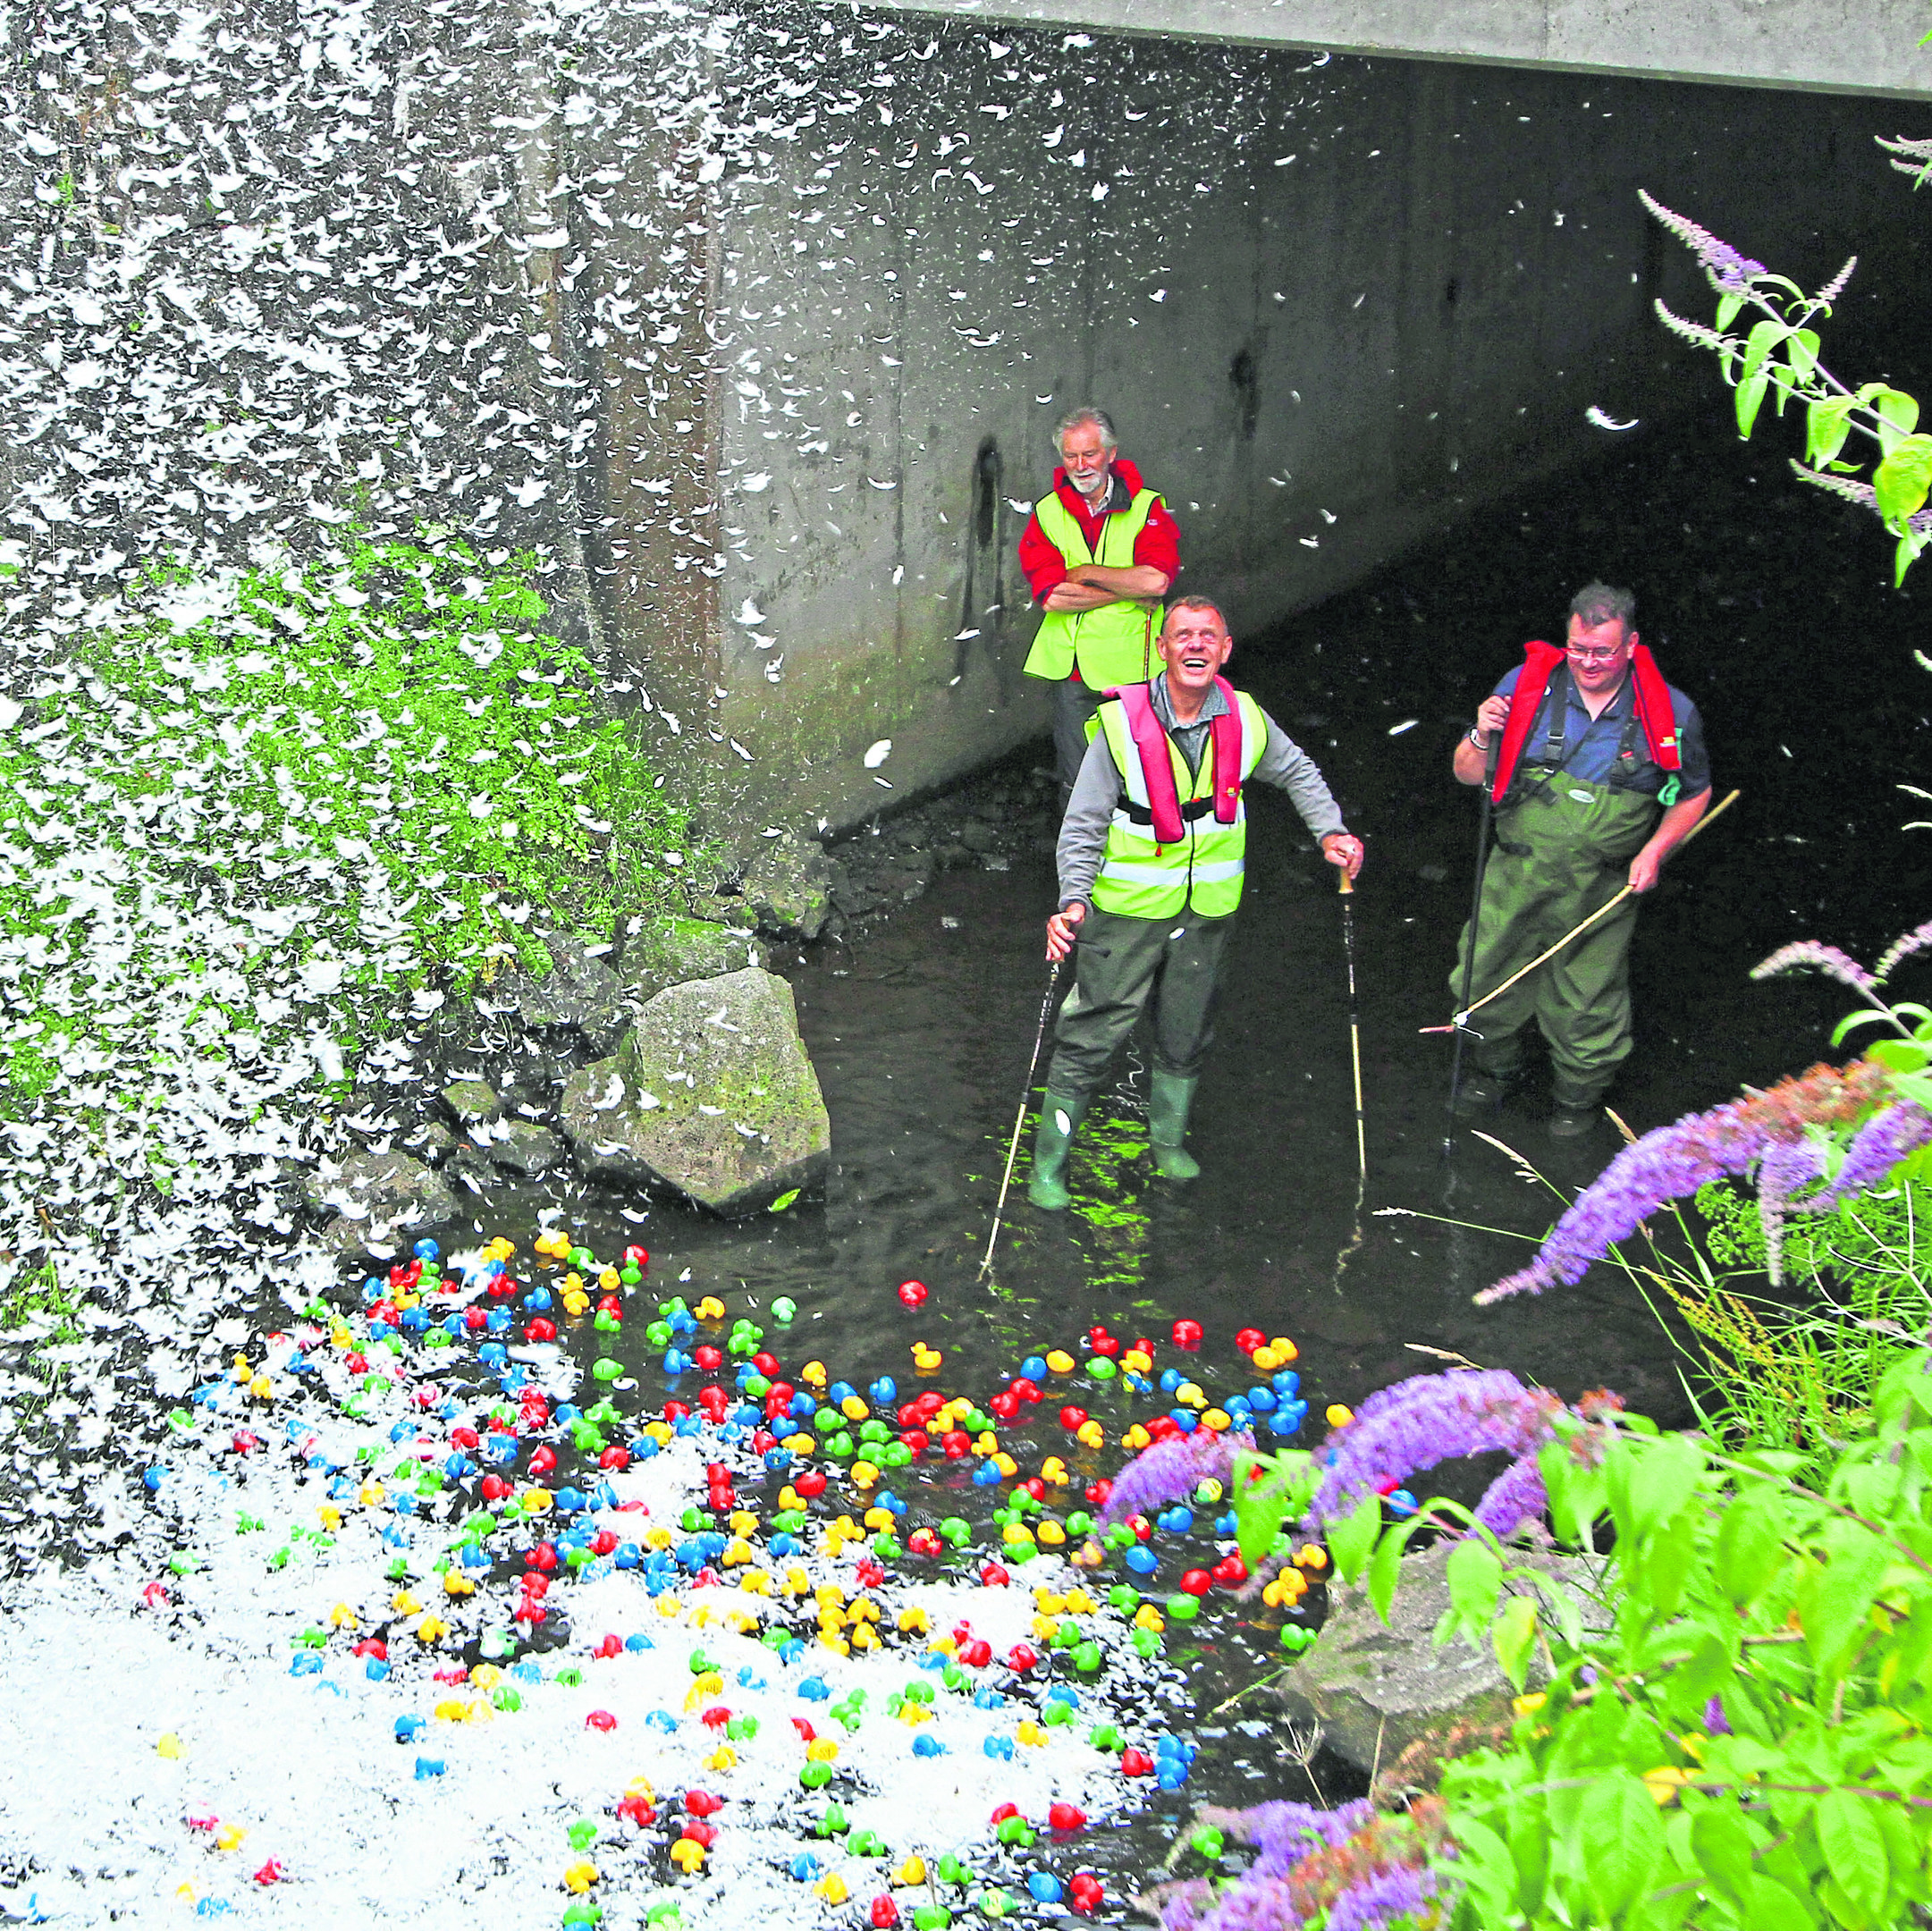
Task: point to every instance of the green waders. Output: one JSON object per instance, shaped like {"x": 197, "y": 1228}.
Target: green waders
{"x": 1560, "y": 853}
{"x": 1121, "y": 966}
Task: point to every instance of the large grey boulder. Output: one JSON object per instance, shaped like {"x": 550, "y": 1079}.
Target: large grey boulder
{"x": 1375, "y": 1688}
{"x": 711, "y": 1092}
{"x": 377, "y": 1201}
{"x": 670, "y": 951}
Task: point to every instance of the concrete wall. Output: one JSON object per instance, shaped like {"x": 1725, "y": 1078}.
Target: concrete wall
{"x": 751, "y": 328}
{"x": 1332, "y": 305}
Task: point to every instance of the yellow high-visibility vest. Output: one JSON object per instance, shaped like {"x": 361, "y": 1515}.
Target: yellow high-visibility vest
{"x": 1115, "y": 644}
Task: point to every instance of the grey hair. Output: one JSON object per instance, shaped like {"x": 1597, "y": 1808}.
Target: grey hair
{"x": 1193, "y": 602}
{"x": 1598, "y": 602}
{"x": 1072, "y": 418}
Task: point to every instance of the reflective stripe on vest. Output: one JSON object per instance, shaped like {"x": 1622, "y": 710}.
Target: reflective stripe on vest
{"x": 1113, "y": 645}
{"x": 1202, "y": 871}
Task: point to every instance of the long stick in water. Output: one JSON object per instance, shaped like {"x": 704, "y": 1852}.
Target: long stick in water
{"x": 1576, "y": 932}
{"x": 1348, "y": 887}
{"x": 1475, "y": 916}
{"x": 1019, "y": 1116}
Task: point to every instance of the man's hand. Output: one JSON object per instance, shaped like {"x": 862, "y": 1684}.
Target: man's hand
{"x": 1644, "y": 869}
{"x": 1472, "y": 759}
{"x": 1063, "y": 929}
{"x": 1345, "y": 849}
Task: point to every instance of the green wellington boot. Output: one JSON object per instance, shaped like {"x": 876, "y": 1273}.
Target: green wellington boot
{"x": 1053, "y": 1139}
{"x": 1168, "y": 1098}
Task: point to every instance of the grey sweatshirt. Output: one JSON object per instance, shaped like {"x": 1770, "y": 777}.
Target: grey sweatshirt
{"x": 1098, "y": 788}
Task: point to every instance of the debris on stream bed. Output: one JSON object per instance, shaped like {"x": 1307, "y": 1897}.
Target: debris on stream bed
{"x": 752, "y": 1647}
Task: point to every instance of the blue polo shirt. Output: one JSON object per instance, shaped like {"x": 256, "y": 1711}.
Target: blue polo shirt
{"x": 1590, "y": 744}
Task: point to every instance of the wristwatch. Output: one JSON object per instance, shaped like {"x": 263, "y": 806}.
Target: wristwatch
{"x": 1475, "y": 740}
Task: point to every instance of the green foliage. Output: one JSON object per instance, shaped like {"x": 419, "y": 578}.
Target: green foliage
{"x": 273, "y": 804}
{"x": 1799, "y": 1369}
{"x": 38, "y": 1293}
{"x": 409, "y": 702}
{"x": 1739, "y": 1737}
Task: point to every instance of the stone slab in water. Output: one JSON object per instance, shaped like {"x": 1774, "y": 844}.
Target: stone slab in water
{"x": 1375, "y": 1688}
{"x": 711, "y": 1092}
{"x": 379, "y": 1201}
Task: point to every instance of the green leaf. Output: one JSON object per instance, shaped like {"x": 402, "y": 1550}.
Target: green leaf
{"x": 1835, "y": 1600}
{"x": 1897, "y": 413}
{"x": 1854, "y": 1847}
{"x": 1764, "y": 336}
{"x": 1750, "y": 1546}
{"x": 1722, "y": 1846}
{"x": 782, "y": 1201}
{"x": 1475, "y": 1579}
{"x": 1800, "y": 352}
{"x": 1259, "y": 1513}
{"x": 1385, "y": 1569}
{"x": 1351, "y": 1538}
{"x": 1828, "y": 424}
{"x": 1576, "y": 1493}
{"x": 1514, "y": 1638}
{"x": 1728, "y": 308}
{"x": 1619, "y": 1841}
{"x": 1750, "y": 400}
{"x": 1899, "y": 1056}
{"x": 1650, "y": 1482}
{"x": 1900, "y": 483}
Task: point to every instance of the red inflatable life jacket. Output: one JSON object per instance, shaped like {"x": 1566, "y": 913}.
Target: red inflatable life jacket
{"x": 1150, "y": 737}
{"x": 1539, "y": 659}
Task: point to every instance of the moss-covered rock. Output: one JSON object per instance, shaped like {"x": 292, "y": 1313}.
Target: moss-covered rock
{"x": 711, "y": 1092}
{"x": 671, "y": 951}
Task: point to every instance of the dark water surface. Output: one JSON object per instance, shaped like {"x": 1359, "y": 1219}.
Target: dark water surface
{"x": 1767, "y": 604}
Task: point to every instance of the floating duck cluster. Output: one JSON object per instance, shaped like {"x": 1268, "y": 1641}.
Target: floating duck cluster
{"x": 433, "y": 1421}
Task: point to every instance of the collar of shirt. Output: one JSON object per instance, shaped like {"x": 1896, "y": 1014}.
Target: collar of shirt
{"x": 1617, "y": 709}
{"x": 1211, "y": 706}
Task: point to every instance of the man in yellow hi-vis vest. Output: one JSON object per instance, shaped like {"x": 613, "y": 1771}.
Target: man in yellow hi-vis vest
{"x": 1100, "y": 551}
{"x": 1152, "y": 854}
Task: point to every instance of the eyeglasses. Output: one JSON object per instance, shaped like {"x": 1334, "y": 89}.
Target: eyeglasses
{"x": 1600, "y": 654}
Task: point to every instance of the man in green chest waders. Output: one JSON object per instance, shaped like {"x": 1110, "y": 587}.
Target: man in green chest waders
{"x": 1099, "y": 552}
{"x": 1600, "y": 772}
{"x": 1151, "y": 853}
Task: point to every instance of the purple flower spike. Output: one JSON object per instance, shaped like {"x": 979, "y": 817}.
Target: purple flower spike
{"x": 1788, "y": 1165}
{"x": 1876, "y": 1148}
{"x": 1172, "y": 1470}
{"x": 1675, "y": 1161}
{"x": 1902, "y": 948}
{"x": 1715, "y": 1723}
{"x": 1383, "y": 1899}
{"x": 1727, "y": 269}
{"x": 1825, "y": 958}
{"x": 1423, "y": 1421}
{"x": 1515, "y": 1500}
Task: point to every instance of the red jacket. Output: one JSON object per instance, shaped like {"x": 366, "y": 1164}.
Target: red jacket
{"x": 1159, "y": 545}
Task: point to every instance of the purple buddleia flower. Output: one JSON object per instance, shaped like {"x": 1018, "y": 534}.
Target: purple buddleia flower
{"x": 1170, "y": 1471}
{"x": 1788, "y": 1165}
{"x": 1825, "y": 958}
{"x": 1381, "y": 1899}
{"x": 1876, "y": 1148}
{"x": 1715, "y": 1723}
{"x": 1255, "y": 1903}
{"x": 1514, "y": 1500}
{"x": 1835, "y": 288}
{"x": 1727, "y": 269}
{"x": 1902, "y": 948}
{"x": 1673, "y": 1161}
{"x": 1182, "y": 1904}
{"x": 1670, "y": 1163}
{"x": 1285, "y": 1832}
{"x": 1428, "y": 1418}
